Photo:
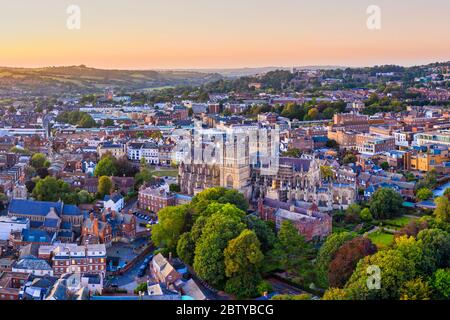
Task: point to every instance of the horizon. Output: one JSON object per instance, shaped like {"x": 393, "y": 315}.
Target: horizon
{"x": 203, "y": 34}
{"x": 226, "y": 68}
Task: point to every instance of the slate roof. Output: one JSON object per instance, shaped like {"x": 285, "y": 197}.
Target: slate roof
{"x": 32, "y": 263}
{"x": 36, "y": 235}
{"x": 41, "y": 208}
{"x": 115, "y": 198}
{"x": 51, "y": 223}
{"x": 296, "y": 163}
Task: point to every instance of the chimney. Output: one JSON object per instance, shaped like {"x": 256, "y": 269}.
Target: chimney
{"x": 95, "y": 227}
{"x": 170, "y": 257}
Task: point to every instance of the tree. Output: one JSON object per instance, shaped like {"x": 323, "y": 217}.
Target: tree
{"x": 442, "y": 211}
{"x": 349, "y": 158}
{"x": 424, "y": 194}
{"x": 335, "y": 294}
{"x": 447, "y": 193}
{"x": 124, "y": 167}
{"x": 303, "y": 296}
{"x": 145, "y": 175}
{"x": 243, "y": 259}
{"x": 174, "y": 188}
{"x": 294, "y": 153}
{"x": 429, "y": 181}
{"x": 186, "y": 247}
{"x": 87, "y": 121}
{"x": 291, "y": 253}
{"x": 3, "y": 200}
{"x": 313, "y": 113}
{"x": 108, "y": 123}
{"x": 384, "y": 166}
{"x": 38, "y": 160}
{"x": 209, "y": 260}
{"x": 326, "y": 255}
{"x": 326, "y": 172}
{"x": 172, "y": 224}
{"x": 142, "y": 287}
{"x": 233, "y": 196}
{"x": 395, "y": 269}
{"x": 441, "y": 283}
{"x": 105, "y": 186}
{"x": 264, "y": 287}
{"x": 220, "y": 195}
{"x": 332, "y": 144}
{"x": 84, "y": 197}
{"x": 366, "y": 215}
{"x": 385, "y": 204}
{"x": 412, "y": 250}
{"x": 106, "y": 167}
{"x": 353, "y": 210}
{"x": 265, "y": 234}
{"x": 328, "y": 113}
{"x": 52, "y": 189}
{"x": 346, "y": 258}
{"x": 416, "y": 289}
{"x": 436, "y": 246}
{"x": 413, "y": 228}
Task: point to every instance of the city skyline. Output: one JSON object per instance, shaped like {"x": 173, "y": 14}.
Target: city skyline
{"x": 210, "y": 35}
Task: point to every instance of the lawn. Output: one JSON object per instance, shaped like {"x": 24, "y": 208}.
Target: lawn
{"x": 165, "y": 173}
{"x": 398, "y": 222}
{"x": 381, "y": 239}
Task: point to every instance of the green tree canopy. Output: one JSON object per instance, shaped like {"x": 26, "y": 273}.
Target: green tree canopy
{"x": 106, "y": 167}
{"x": 326, "y": 255}
{"x": 385, "y": 204}
{"x": 441, "y": 283}
{"x": 424, "y": 194}
{"x": 172, "y": 224}
{"x": 105, "y": 186}
{"x": 416, "y": 289}
{"x": 442, "y": 211}
{"x": 38, "y": 160}
{"x": 209, "y": 261}
{"x": 243, "y": 259}
{"x": 52, "y": 189}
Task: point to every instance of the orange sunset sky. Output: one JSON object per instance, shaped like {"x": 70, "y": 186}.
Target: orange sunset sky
{"x": 148, "y": 34}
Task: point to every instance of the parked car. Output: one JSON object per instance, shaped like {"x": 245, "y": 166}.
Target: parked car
{"x": 142, "y": 270}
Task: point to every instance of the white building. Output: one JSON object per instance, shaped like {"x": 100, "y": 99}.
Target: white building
{"x": 33, "y": 265}
{"x": 147, "y": 150}
{"x": 11, "y": 224}
{"x": 114, "y": 203}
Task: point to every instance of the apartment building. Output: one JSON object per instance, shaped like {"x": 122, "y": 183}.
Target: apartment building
{"x": 72, "y": 258}
{"x": 155, "y": 199}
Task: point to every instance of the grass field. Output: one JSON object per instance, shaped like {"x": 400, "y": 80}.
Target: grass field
{"x": 165, "y": 173}
{"x": 398, "y": 222}
{"x": 381, "y": 239}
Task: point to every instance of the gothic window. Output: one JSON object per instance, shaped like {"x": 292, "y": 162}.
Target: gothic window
{"x": 230, "y": 181}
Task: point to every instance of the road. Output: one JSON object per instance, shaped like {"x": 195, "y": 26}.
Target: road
{"x": 284, "y": 288}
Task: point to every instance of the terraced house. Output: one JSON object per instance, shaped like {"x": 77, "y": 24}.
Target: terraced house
{"x": 71, "y": 258}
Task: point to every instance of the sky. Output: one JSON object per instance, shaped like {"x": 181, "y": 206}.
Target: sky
{"x": 185, "y": 34}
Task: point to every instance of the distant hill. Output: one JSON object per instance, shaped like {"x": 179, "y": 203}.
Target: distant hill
{"x": 82, "y": 79}
{"x": 243, "y": 72}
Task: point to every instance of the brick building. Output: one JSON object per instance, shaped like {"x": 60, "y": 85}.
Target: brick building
{"x": 155, "y": 199}
{"x": 72, "y": 258}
